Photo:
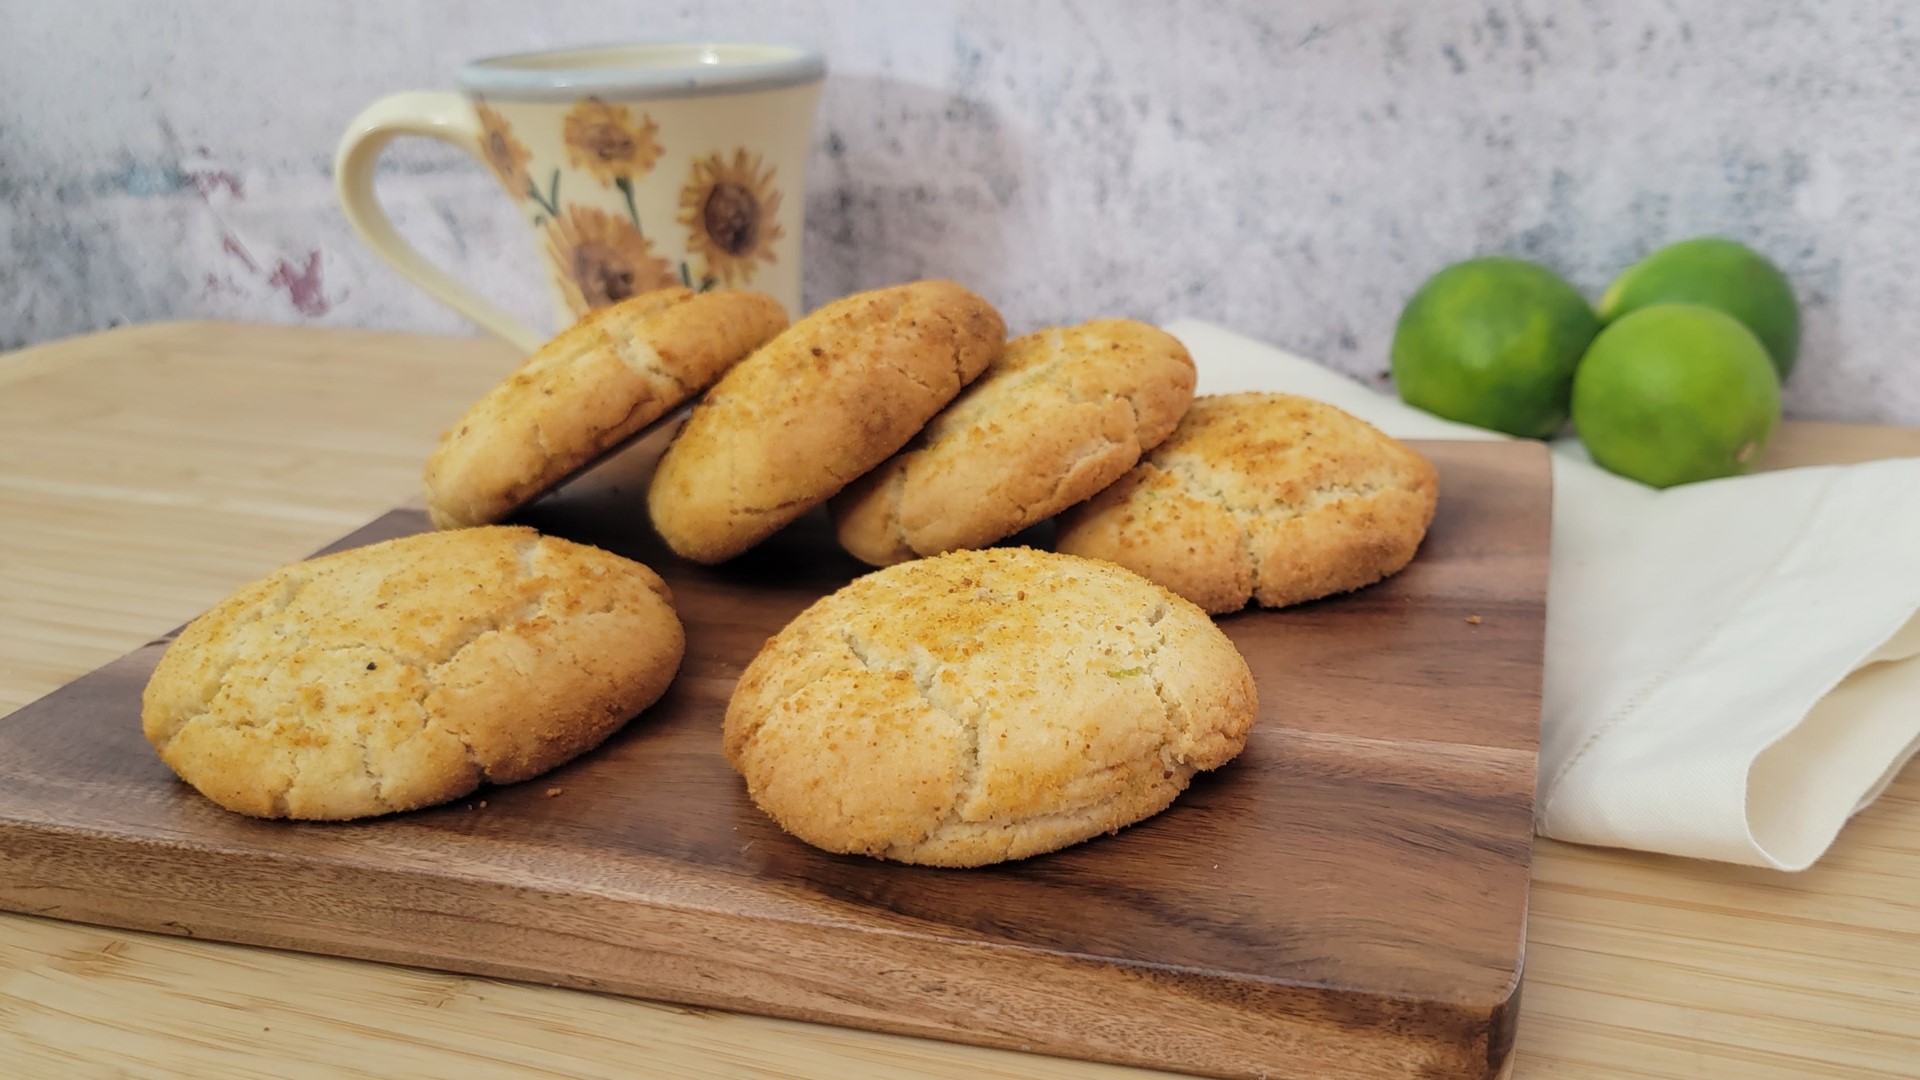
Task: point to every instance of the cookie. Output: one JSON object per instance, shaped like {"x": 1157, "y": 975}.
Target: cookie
{"x": 585, "y": 392}
{"x": 1060, "y": 415}
{"x": 1265, "y": 497}
{"x": 985, "y": 705}
{"x": 406, "y": 673}
{"x": 824, "y": 402}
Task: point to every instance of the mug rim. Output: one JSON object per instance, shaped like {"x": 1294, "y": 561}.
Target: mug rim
{"x": 516, "y": 76}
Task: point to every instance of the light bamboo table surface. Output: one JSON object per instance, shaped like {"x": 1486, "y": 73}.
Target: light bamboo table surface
{"x": 145, "y": 472}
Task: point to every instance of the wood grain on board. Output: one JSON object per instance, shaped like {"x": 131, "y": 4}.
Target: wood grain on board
{"x": 1350, "y": 894}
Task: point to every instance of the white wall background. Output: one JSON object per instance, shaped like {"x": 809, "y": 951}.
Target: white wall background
{"x": 1292, "y": 170}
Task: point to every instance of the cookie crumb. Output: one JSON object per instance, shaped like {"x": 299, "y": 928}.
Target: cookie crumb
{"x": 552, "y": 791}
{"x": 1473, "y": 620}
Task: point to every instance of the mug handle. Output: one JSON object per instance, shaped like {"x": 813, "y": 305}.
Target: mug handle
{"x": 449, "y": 118}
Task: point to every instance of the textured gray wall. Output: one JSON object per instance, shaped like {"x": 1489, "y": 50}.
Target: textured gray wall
{"x": 1290, "y": 170}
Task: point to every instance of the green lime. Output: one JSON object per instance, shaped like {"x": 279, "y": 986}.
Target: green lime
{"x": 1676, "y": 393}
{"x": 1493, "y": 342}
{"x": 1722, "y": 274}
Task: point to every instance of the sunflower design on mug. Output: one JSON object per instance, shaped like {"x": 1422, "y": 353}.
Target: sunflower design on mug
{"x": 505, "y": 154}
{"x": 602, "y": 258}
{"x": 606, "y": 141}
{"x": 728, "y": 208}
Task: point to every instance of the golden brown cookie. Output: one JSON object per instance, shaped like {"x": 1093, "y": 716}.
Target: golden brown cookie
{"x": 985, "y": 705}
{"x": 585, "y": 392}
{"x": 1060, "y": 415}
{"x": 830, "y": 398}
{"x": 1268, "y": 497}
{"x": 406, "y": 673}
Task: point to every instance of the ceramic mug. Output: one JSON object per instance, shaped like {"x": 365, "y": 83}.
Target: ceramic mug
{"x": 638, "y": 167}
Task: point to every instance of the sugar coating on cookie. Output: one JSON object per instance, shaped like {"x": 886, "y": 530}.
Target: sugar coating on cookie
{"x": 835, "y": 395}
{"x": 406, "y": 673}
{"x": 985, "y": 705}
{"x": 587, "y": 391}
{"x": 1059, "y": 416}
{"x": 1272, "y": 498}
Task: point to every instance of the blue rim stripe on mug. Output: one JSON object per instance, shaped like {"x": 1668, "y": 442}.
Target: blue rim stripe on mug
{"x": 660, "y": 70}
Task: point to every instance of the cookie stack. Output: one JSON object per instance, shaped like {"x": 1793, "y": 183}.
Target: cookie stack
{"x": 963, "y": 705}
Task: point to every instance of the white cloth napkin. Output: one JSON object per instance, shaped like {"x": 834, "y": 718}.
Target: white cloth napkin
{"x": 1733, "y": 667}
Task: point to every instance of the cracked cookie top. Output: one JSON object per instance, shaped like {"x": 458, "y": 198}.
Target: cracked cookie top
{"x": 406, "y": 673}
{"x": 985, "y": 705}
{"x": 587, "y": 391}
{"x": 834, "y": 395}
{"x": 1060, "y": 415}
{"x": 1270, "y": 497}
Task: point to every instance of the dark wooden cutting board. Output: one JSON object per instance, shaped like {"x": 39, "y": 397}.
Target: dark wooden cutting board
{"x": 1347, "y": 898}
